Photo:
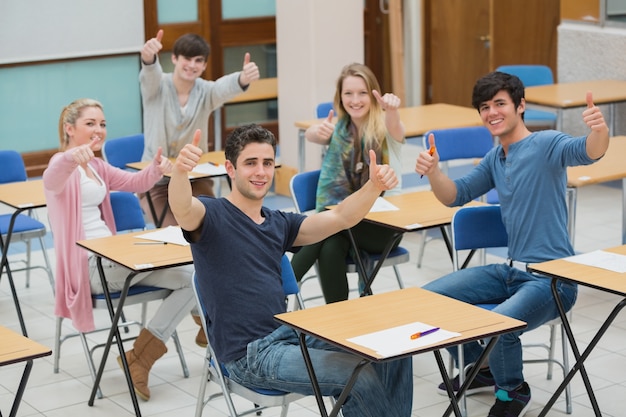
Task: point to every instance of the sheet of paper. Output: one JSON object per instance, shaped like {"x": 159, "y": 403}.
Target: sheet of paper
{"x": 210, "y": 169}
{"x": 382, "y": 205}
{"x": 396, "y": 340}
{"x": 601, "y": 259}
{"x": 170, "y": 234}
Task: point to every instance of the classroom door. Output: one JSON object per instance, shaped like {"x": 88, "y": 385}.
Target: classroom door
{"x": 467, "y": 39}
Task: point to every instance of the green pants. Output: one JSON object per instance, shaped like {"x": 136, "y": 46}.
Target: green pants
{"x": 331, "y": 255}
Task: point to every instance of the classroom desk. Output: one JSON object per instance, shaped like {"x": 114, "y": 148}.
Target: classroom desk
{"x": 20, "y": 196}
{"x": 259, "y": 90}
{"x": 214, "y": 157}
{"x": 137, "y": 258}
{"x": 562, "y": 96}
{"x": 337, "y": 322}
{"x": 610, "y": 168}
{"x": 589, "y": 276}
{"x": 16, "y": 348}
{"x": 418, "y": 210}
{"x": 417, "y": 121}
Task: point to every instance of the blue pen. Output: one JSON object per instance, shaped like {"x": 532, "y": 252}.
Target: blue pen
{"x": 424, "y": 333}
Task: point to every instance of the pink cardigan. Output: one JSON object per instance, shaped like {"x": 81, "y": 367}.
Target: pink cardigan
{"x": 62, "y": 189}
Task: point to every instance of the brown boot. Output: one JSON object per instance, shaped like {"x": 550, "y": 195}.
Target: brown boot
{"x": 146, "y": 350}
{"x": 200, "y": 337}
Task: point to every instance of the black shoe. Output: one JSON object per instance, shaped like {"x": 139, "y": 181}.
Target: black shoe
{"x": 511, "y": 403}
{"x": 482, "y": 383}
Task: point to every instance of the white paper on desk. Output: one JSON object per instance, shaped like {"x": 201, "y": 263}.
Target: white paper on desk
{"x": 210, "y": 169}
{"x": 169, "y": 234}
{"x": 382, "y": 205}
{"x": 601, "y": 259}
{"x": 396, "y": 340}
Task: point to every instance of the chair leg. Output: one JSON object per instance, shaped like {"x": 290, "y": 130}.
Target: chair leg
{"x": 57, "y": 345}
{"x": 568, "y": 390}
{"x": 398, "y": 277}
{"x": 420, "y": 254}
{"x": 27, "y": 263}
{"x": 48, "y": 266}
{"x": 551, "y": 351}
{"x": 90, "y": 363}
{"x": 181, "y": 355}
{"x": 200, "y": 401}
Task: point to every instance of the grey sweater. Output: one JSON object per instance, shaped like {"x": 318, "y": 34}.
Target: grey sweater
{"x": 164, "y": 122}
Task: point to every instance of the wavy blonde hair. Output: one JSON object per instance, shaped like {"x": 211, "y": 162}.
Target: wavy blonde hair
{"x": 70, "y": 114}
{"x": 374, "y": 130}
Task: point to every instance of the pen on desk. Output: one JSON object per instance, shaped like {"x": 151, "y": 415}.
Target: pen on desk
{"x": 213, "y": 163}
{"x": 150, "y": 243}
{"x": 431, "y": 151}
{"x": 424, "y": 333}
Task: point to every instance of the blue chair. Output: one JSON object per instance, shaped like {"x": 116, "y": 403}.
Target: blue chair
{"x": 454, "y": 145}
{"x": 533, "y": 75}
{"x": 479, "y": 228}
{"x": 26, "y": 227}
{"x": 322, "y": 109}
{"x": 303, "y": 187}
{"x": 128, "y": 217}
{"x": 213, "y": 371}
{"x": 121, "y": 151}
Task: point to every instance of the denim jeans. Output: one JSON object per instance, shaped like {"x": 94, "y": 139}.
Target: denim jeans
{"x": 276, "y": 362}
{"x": 519, "y": 295}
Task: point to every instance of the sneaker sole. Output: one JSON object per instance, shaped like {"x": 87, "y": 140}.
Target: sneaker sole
{"x": 469, "y": 391}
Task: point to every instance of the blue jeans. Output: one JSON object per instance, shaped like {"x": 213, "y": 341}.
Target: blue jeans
{"x": 520, "y": 295}
{"x": 276, "y": 362}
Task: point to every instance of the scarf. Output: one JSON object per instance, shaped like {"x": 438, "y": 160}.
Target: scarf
{"x": 345, "y": 167}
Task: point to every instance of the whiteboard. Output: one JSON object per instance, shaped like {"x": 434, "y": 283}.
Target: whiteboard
{"x": 40, "y": 30}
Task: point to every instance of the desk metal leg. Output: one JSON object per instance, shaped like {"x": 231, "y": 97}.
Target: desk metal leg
{"x": 316, "y": 388}
{"x": 455, "y": 398}
{"x": 4, "y": 263}
{"x": 114, "y": 333}
{"x": 368, "y": 276}
{"x": 580, "y": 359}
{"x": 21, "y": 388}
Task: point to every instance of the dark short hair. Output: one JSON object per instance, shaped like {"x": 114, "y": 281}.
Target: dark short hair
{"x": 190, "y": 45}
{"x": 489, "y": 85}
{"x": 241, "y": 136}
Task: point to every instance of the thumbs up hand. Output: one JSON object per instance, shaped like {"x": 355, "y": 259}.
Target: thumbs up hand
{"x": 189, "y": 156}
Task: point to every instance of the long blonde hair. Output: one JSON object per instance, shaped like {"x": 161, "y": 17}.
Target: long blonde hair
{"x": 374, "y": 130}
{"x": 70, "y": 114}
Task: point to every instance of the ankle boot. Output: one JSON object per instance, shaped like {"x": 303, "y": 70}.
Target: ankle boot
{"x": 200, "y": 337}
{"x": 146, "y": 350}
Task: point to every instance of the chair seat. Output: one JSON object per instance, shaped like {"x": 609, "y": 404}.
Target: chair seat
{"x": 23, "y": 223}
{"x": 139, "y": 293}
{"x": 262, "y": 391}
{"x": 397, "y": 256}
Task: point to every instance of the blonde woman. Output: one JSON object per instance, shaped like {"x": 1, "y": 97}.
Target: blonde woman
{"x": 366, "y": 119}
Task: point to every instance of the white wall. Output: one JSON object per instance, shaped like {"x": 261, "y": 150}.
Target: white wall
{"x": 589, "y": 52}
{"x": 315, "y": 39}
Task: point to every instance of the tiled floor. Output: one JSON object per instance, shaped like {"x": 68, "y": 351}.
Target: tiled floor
{"x": 65, "y": 394}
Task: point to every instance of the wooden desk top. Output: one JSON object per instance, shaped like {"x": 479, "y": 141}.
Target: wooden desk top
{"x": 568, "y": 95}
{"x": 611, "y": 167}
{"x": 17, "y": 348}
{"x": 417, "y": 210}
{"x": 259, "y": 90}
{"x": 24, "y": 194}
{"x": 121, "y": 249}
{"x": 598, "y": 278}
{"x": 216, "y": 157}
{"x": 420, "y": 119}
{"x": 338, "y": 322}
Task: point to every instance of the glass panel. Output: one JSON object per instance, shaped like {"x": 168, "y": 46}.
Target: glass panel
{"x": 237, "y": 9}
{"x": 265, "y": 58}
{"x": 616, "y": 12}
{"x": 177, "y": 11}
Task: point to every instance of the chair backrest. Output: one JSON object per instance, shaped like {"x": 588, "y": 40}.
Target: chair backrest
{"x": 461, "y": 142}
{"x": 477, "y": 227}
{"x": 13, "y": 168}
{"x": 121, "y": 151}
{"x": 127, "y": 211}
{"x": 303, "y": 187}
{"x": 322, "y": 109}
{"x": 531, "y": 75}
